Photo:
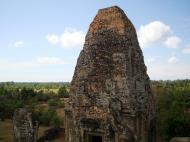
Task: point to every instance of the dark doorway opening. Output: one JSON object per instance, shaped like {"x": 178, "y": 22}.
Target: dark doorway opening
{"x": 94, "y": 138}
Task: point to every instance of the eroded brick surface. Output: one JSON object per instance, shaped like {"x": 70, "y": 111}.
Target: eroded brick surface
{"x": 110, "y": 90}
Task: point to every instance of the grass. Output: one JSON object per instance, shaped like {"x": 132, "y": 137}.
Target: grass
{"x": 48, "y": 90}
{"x": 6, "y": 131}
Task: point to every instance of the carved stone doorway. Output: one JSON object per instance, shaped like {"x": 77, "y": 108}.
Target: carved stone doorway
{"x": 94, "y": 138}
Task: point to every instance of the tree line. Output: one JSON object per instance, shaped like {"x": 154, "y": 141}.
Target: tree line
{"x": 172, "y": 99}
{"x": 42, "y": 99}
{"x": 172, "y": 108}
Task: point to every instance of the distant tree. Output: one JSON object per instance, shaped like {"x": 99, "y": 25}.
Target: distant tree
{"x": 63, "y": 92}
{"x": 3, "y": 91}
{"x": 53, "y": 102}
{"x": 41, "y": 96}
{"x": 57, "y": 121}
{"x": 48, "y": 117}
{"x": 172, "y": 116}
{"x": 26, "y": 93}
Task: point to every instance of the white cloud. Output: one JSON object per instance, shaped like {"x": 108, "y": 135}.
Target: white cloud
{"x": 71, "y": 38}
{"x": 173, "y": 59}
{"x": 32, "y": 63}
{"x": 186, "y": 50}
{"x": 169, "y": 71}
{"x": 13, "y": 65}
{"x": 172, "y": 42}
{"x": 52, "y": 38}
{"x": 152, "y": 33}
{"x": 50, "y": 61}
{"x": 18, "y": 44}
{"x": 34, "y": 70}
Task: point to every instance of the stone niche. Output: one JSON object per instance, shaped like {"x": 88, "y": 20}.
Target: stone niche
{"x": 110, "y": 97}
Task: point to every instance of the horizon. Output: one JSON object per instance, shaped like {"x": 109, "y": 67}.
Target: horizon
{"x": 41, "y": 40}
{"x": 70, "y": 81}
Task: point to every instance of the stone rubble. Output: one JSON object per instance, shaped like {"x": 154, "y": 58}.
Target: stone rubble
{"x": 23, "y": 127}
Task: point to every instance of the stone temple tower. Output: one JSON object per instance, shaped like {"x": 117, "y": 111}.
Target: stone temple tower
{"x": 110, "y": 98}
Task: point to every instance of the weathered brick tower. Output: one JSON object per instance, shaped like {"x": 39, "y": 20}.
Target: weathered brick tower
{"x": 110, "y": 98}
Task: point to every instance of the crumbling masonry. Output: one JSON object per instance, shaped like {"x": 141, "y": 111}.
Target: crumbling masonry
{"x": 25, "y": 130}
{"x": 110, "y": 97}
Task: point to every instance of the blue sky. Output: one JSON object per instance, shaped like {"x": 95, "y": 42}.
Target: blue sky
{"x": 40, "y": 40}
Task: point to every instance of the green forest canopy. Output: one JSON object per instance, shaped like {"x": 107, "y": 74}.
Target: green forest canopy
{"x": 172, "y": 99}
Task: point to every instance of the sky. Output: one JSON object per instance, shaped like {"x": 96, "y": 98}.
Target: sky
{"x": 40, "y": 40}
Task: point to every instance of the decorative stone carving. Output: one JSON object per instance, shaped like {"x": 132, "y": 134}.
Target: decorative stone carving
{"x": 110, "y": 96}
